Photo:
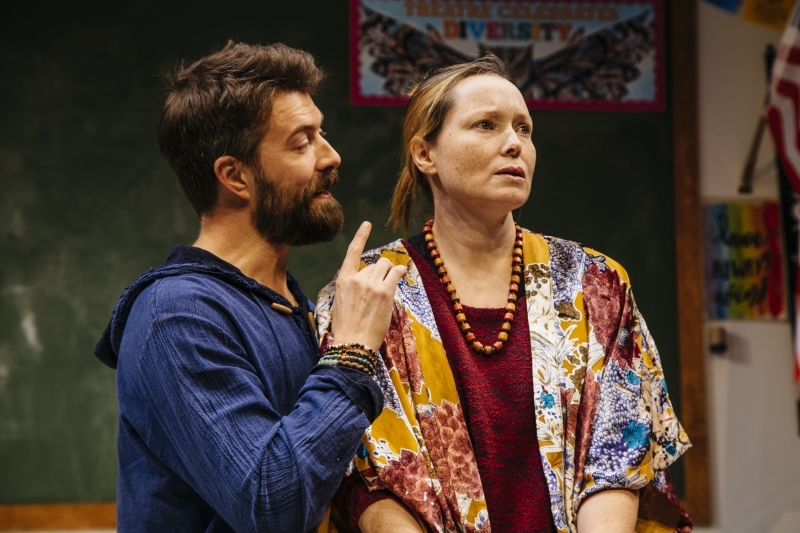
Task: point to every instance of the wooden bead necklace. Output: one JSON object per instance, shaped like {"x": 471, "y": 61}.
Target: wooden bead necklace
{"x": 458, "y": 309}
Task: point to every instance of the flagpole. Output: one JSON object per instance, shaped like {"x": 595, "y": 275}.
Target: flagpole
{"x": 746, "y": 183}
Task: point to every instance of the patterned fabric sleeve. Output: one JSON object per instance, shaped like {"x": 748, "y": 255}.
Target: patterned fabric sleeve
{"x": 636, "y": 434}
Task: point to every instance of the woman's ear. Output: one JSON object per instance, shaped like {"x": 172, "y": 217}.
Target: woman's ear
{"x": 423, "y": 156}
{"x": 234, "y": 179}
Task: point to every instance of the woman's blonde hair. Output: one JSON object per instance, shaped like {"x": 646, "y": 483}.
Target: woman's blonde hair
{"x": 428, "y": 105}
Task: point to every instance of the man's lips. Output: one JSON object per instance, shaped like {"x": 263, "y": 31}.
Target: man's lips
{"x": 323, "y": 194}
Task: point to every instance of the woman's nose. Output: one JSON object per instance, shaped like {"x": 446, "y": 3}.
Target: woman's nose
{"x": 513, "y": 145}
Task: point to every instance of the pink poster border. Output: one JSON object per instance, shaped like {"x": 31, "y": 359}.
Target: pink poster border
{"x": 659, "y": 104}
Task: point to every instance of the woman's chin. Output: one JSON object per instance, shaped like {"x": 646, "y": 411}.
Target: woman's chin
{"x": 508, "y": 199}
{"x": 487, "y": 207}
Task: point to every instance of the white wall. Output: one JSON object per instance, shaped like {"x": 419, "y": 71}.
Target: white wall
{"x": 754, "y": 434}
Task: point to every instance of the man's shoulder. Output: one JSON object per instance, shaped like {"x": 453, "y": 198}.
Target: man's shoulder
{"x": 190, "y": 293}
{"x": 196, "y": 284}
{"x": 174, "y": 307}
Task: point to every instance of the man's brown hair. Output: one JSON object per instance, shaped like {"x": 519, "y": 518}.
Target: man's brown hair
{"x": 221, "y": 104}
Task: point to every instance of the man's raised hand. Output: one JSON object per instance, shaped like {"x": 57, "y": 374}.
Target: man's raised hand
{"x": 362, "y": 309}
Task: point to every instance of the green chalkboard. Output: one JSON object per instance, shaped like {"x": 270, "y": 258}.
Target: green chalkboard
{"x": 87, "y": 203}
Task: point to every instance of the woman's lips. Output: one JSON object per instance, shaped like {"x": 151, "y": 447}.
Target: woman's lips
{"x": 512, "y": 172}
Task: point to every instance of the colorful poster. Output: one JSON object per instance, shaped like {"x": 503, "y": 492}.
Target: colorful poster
{"x": 565, "y": 54}
{"x": 771, "y": 13}
{"x": 744, "y": 261}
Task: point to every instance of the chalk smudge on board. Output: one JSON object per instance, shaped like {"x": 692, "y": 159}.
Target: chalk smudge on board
{"x": 29, "y": 330}
{"x": 3, "y": 375}
{"x": 28, "y": 322}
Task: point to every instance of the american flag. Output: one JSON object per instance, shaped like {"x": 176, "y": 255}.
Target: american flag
{"x": 783, "y": 114}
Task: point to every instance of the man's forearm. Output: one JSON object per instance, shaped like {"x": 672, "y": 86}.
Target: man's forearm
{"x": 319, "y": 438}
{"x": 256, "y": 468}
{"x": 277, "y": 475}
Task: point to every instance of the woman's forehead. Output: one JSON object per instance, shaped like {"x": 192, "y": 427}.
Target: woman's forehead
{"x": 487, "y": 90}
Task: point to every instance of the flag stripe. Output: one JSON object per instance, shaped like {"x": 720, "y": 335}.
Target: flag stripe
{"x": 783, "y": 116}
{"x": 792, "y": 54}
{"x": 788, "y": 100}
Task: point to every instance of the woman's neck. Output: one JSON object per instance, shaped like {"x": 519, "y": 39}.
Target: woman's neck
{"x": 477, "y": 254}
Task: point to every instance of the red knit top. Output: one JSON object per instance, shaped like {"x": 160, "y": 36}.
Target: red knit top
{"x": 498, "y": 405}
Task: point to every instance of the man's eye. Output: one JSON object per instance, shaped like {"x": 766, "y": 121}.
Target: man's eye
{"x": 323, "y": 133}
{"x": 525, "y": 129}
{"x": 484, "y": 125}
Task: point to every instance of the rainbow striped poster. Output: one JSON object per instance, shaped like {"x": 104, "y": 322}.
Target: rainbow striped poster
{"x": 744, "y": 261}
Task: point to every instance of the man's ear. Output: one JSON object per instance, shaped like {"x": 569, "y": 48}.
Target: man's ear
{"x": 233, "y": 177}
{"x": 423, "y": 158}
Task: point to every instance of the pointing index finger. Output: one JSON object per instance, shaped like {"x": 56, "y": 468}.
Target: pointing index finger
{"x": 352, "y": 259}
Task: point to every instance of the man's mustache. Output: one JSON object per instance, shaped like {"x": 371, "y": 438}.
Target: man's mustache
{"x": 326, "y": 180}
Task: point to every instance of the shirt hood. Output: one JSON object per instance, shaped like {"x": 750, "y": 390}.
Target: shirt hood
{"x": 182, "y": 260}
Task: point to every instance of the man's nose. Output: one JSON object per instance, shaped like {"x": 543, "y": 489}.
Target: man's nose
{"x": 329, "y": 158}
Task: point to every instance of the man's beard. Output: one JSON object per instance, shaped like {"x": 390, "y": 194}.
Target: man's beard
{"x": 283, "y": 216}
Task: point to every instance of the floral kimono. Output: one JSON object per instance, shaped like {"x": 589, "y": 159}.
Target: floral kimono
{"x": 603, "y": 416}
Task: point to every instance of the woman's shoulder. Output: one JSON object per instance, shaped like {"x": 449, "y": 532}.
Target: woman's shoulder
{"x": 571, "y": 257}
{"x": 395, "y": 251}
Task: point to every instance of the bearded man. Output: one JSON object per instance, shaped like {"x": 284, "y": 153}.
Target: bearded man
{"x": 226, "y": 420}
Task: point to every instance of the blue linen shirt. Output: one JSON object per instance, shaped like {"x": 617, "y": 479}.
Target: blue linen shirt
{"x": 226, "y": 423}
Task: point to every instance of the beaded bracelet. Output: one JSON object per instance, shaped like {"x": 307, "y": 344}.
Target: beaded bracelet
{"x": 352, "y": 346}
{"x": 358, "y": 356}
{"x": 335, "y": 358}
{"x": 354, "y": 349}
{"x": 348, "y": 364}
{"x": 351, "y": 355}
{"x": 343, "y": 357}
{"x": 357, "y": 353}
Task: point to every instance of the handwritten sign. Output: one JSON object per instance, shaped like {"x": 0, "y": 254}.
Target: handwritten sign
{"x": 567, "y": 54}
{"x": 744, "y": 261}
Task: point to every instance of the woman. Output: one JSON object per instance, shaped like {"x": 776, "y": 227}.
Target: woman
{"x": 522, "y": 387}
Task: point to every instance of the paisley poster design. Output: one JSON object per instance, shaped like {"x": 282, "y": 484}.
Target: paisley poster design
{"x": 561, "y": 55}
